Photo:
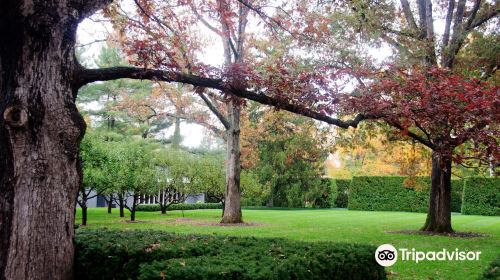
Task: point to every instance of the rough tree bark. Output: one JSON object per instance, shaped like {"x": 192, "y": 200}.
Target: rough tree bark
{"x": 439, "y": 214}
{"x": 40, "y": 132}
{"x": 232, "y": 205}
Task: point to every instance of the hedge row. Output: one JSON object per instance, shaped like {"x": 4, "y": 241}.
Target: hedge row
{"x": 341, "y": 192}
{"x": 481, "y": 196}
{"x": 106, "y": 254}
{"x": 180, "y": 206}
{"x": 393, "y": 193}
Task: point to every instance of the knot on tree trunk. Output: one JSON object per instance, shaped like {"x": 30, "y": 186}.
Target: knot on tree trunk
{"x": 15, "y": 117}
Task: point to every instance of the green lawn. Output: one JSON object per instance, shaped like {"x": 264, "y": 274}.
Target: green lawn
{"x": 337, "y": 226}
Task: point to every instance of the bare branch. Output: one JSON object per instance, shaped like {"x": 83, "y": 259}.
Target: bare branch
{"x": 413, "y": 135}
{"x": 212, "y": 108}
{"x": 204, "y": 21}
{"x": 90, "y": 43}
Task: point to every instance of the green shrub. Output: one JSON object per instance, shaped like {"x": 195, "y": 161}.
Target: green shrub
{"x": 105, "y": 254}
{"x": 323, "y": 196}
{"x": 481, "y": 196}
{"x": 493, "y": 270}
{"x": 341, "y": 192}
{"x": 181, "y": 206}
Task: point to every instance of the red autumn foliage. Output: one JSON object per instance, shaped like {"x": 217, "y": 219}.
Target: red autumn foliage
{"x": 441, "y": 109}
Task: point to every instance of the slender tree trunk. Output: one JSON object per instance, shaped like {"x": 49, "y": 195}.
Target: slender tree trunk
{"x": 177, "y": 138}
{"x": 110, "y": 203}
{"x": 83, "y": 205}
{"x": 439, "y": 214}
{"x": 40, "y": 132}
{"x": 84, "y": 213}
{"x": 132, "y": 209}
{"x": 223, "y": 207}
{"x": 232, "y": 207}
{"x": 122, "y": 205}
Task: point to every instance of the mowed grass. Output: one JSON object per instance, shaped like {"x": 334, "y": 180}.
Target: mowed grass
{"x": 337, "y": 226}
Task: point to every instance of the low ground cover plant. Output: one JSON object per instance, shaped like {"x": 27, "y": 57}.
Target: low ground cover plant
{"x": 141, "y": 254}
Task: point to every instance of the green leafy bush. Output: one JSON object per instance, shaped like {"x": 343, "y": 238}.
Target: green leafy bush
{"x": 341, "y": 192}
{"x": 323, "y": 195}
{"x": 481, "y": 196}
{"x": 105, "y": 254}
{"x": 181, "y": 206}
{"x": 493, "y": 270}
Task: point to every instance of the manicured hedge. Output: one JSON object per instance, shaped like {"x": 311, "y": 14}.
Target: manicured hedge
{"x": 106, "y": 254}
{"x": 397, "y": 193}
{"x": 341, "y": 192}
{"x": 382, "y": 193}
{"x": 394, "y": 193}
{"x": 481, "y": 196}
{"x": 180, "y": 206}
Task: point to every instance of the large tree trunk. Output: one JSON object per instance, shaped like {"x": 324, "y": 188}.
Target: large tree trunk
{"x": 439, "y": 214}
{"x": 40, "y": 132}
{"x": 232, "y": 207}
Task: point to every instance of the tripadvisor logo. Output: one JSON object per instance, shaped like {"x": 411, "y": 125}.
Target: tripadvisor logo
{"x": 387, "y": 255}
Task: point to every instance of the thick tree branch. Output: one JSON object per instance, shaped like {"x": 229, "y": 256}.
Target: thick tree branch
{"x": 88, "y": 7}
{"x": 413, "y": 135}
{"x": 457, "y": 37}
{"x": 85, "y": 76}
{"x": 472, "y": 17}
{"x": 431, "y": 50}
{"x": 422, "y": 17}
{"x": 408, "y": 15}
{"x": 447, "y": 26}
{"x": 484, "y": 18}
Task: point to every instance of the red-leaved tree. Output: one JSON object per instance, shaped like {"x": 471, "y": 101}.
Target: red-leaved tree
{"x": 457, "y": 118}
